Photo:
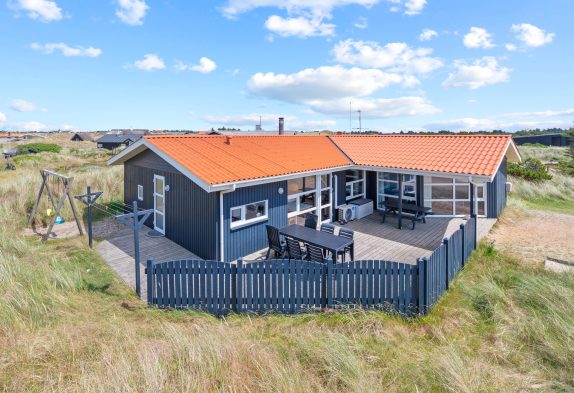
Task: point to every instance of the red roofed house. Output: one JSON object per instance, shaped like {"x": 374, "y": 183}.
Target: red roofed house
{"x": 215, "y": 194}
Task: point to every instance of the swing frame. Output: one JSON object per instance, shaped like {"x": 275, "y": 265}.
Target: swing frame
{"x": 67, "y": 181}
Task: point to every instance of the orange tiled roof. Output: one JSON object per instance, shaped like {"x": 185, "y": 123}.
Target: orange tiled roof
{"x": 464, "y": 154}
{"x": 10, "y": 134}
{"x": 216, "y": 161}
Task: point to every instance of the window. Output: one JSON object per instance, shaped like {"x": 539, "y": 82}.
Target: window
{"x": 451, "y": 197}
{"x": 248, "y": 214}
{"x": 388, "y": 187}
{"x": 140, "y": 193}
{"x": 354, "y": 184}
{"x": 309, "y": 194}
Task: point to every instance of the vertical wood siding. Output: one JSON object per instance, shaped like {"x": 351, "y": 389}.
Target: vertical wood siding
{"x": 248, "y": 239}
{"x": 496, "y": 192}
{"x": 191, "y": 214}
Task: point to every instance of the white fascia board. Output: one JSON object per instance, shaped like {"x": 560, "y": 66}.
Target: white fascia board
{"x": 460, "y": 176}
{"x": 512, "y": 147}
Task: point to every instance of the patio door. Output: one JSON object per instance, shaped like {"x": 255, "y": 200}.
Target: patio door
{"x": 159, "y": 203}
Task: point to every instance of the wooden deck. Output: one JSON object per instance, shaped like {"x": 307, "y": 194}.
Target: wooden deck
{"x": 376, "y": 240}
{"x": 118, "y": 252}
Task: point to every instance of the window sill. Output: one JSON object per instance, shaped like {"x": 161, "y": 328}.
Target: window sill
{"x": 248, "y": 223}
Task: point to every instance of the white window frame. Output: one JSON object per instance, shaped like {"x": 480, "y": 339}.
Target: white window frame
{"x": 140, "y": 192}
{"x": 351, "y": 183}
{"x": 318, "y": 203}
{"x": 380, "y": 180}
{"x": 454, "y": 199}
{"x": 243, "y": 222}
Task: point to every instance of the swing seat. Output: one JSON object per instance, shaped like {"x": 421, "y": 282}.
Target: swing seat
{"x": 50, "y": 212}
{"x": 59, "y": 220}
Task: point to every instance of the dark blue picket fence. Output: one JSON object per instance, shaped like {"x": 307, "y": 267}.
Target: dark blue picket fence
{"x": 290, "y": 286}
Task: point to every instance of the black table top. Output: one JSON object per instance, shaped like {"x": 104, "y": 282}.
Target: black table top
{"x": 406, "y": 206}
{"x": 321, "y": 239}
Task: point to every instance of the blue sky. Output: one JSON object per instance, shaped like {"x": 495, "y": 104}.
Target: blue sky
{"x": 406, "y": 64}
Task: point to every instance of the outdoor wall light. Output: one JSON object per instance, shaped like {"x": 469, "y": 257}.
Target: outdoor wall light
{"x": 166, "y": 188}
{"x": 280, "y": 190}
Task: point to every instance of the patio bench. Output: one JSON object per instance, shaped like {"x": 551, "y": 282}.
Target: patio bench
{"x": 415, "y": 213}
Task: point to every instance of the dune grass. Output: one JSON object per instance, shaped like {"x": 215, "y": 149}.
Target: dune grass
{"x": 68, "y": 324}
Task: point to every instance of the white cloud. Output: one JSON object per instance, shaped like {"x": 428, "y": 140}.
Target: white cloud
{"x": 321, "y": 8}
{"x": 376, "y": 107}
{"x": 427, "y": 35}
{"x": 66, "y": 50}
{"x": 414, "y": 7}
{"x": 327, "y": 82}
{"x": 25, "y": 106}
{"x": 397, "y": 55}
{"x": 478, "y": 37}
{"x": 361, "y": 23}
{"x": 28, "y": 126}
{"x": 548, "y": 113}
{"x": 301, "y": 27}
{"x": 42, "y": 10}
{"x": 3, "y": 117}
{"x": 511, "y": 47}
{"x": 205, "y": 66}
{"x": 532, "y": 36}
{"x": 132, "y": 12}
{"x": 481, "y": 72}
{"x": 150, "y": 62}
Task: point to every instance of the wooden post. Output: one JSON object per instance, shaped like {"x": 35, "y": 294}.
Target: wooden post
{"x": 238, "y": 304}
{"x": 137, "y": 248}
{"x": 462, "y": 243}
{"x": 330, "y": 282}
{"x": 150, "y": 281}
{"x": 472, "y": 199}
{"x": 31, "y": 219}
{"x": 400, "y": 201}
{"x": 421, "y": 267}
{"x": 475, "y": 217}
{"x": 88, "y": 199}
{"x": 89, "y": 189}
{"x": 68, "y": 184}
{"x": 445, "y": 241}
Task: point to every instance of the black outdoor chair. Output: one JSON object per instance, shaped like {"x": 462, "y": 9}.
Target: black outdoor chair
{"x": 275, "y": 243}
{"x": 311, "y": 220}
{"x": 315, "y": 253}
{"x": 328, "y": 228}
{"x": 349, "y": 234}
{"x": 294, "y": 249}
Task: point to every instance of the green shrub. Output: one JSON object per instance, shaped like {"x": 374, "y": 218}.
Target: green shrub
{"x": 38, "y": 148}
{"x": 530, "y": 169}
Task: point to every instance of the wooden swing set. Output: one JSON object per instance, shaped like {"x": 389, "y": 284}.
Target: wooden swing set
{"x": 58, "y": 188}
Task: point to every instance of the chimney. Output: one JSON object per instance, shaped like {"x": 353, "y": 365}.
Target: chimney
{"x": 228, "y": 140}
{"x": 281, "y": 126}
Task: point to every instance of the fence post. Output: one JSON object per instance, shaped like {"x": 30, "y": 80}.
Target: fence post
{"x": 422, "y": 271}
{"x": 238, "y": 282}
{"x": 445, "y": 241}
{"x": 462, "y": 236}
{"x": 475, "y": 217}
{"x": 149, "y": 272}
{"x": 330, "y": 282}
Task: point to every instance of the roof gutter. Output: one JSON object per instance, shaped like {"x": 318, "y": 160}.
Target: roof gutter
{"x": 221, "y": 222}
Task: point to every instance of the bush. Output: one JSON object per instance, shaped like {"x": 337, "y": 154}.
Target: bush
{"x": 38, "y": 148}
{"x": 530, "y": 169}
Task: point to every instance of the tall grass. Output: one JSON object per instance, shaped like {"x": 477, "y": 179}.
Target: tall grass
{"x": 544, "y": 154}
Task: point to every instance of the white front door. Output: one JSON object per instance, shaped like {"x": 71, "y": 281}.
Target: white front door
{"x": 159, "y": 203}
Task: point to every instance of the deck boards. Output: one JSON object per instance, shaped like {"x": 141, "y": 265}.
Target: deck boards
{"x": 118, "y": 252}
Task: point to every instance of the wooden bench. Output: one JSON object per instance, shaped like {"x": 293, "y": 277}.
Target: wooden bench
{"x": 412, "y": 212}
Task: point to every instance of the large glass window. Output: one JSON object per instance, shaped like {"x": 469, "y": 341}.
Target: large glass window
{"x": 388, "y": 187}
{"x": 248, "y": 214}
{"x": 310, "y": 194}
{"x": 354, "y": 184}
{"x": 451, "y": 197}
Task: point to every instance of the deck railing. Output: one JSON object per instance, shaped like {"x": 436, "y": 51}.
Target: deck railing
{"x": 290, "y": 286}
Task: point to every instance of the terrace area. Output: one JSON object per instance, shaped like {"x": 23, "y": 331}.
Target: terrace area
{"x": 377, "y": 240}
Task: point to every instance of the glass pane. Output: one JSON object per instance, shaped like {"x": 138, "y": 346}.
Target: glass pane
{"x": 159, "y": 185}
{"x": 309, "y": 183}
{"x": 353, "y": 174}
{"x": 358, "y": 188}
{"x": 446, "y": 180}
{"x": 458, "y": 181}
{"x": 307, "y": 201}
{"x": 380, "y": 200}
{"x": 348, "y": 191}
{"x": 462, "y": 192}
{"x": 254, "y": 210}
{"x": 409, "y": 178}
{"x": 295, "y": 186}
{"x": 442, "y": 208}
{"x": 480, "y": 192}
{"x": 236, "y": 214}
{"x": 409, "y": 191}
{"x": 462, "y": 208}
{"x": 159, "y": 221}
{"x": 442, "y": 192}
{"x": 291, "y": 205}
{"x": 325, "y": 213}
{"x": 388, "y": 176}
{"x": 325, "y": 181}
{"x": 325, "y": 197}
{"x": 299, "y": 220}
{"x": 481, "y": 209}
{"x": 159, "y": 205}
{"x": 391, "y": 189}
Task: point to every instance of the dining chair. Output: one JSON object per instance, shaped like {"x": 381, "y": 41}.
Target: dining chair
{"x": 311, "y": 220}
{"x": 315, "y": 253}
{"x": 348, "y": 234}
{"x": 328, "y": 228}
{"x": 294, "y": 249}
{"x": 275, "y": 243}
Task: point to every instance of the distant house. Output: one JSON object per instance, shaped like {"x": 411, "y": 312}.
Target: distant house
{"x": 115, "y": 141}
{"x": 545, "y": 139}
{"x": 82, "y": 137}
{"x": 136, "y": 131}
{"x": 11, "y": 136}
